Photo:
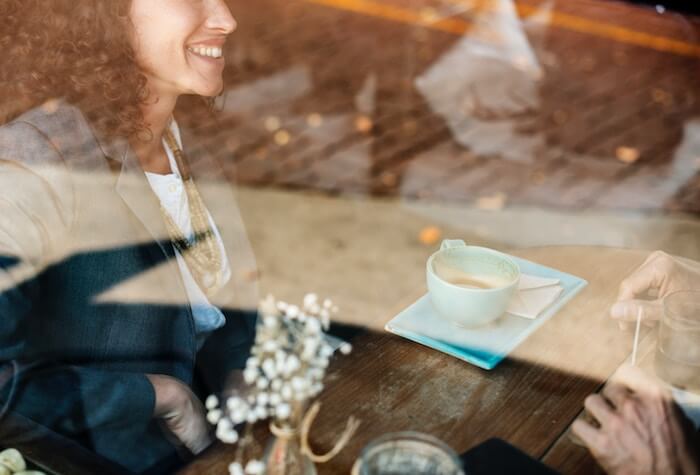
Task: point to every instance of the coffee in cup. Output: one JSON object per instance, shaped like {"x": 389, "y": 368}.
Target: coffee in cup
{"x": 471, "y": 285}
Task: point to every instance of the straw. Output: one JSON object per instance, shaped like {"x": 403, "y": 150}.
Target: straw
{"x": 636, "y": 337}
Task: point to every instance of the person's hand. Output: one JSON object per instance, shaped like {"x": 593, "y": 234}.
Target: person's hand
{"x": 642, "y": 430}
{"x": 660, "y": 275}
{"x": 182, "y": 412}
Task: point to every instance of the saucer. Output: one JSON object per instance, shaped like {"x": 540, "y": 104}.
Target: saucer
{"x": 488, "y": 345}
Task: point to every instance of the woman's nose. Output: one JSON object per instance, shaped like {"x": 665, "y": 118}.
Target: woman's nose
{"x": 221, "y": 18}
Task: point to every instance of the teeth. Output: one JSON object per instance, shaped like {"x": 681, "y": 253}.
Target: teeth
{"x": 211, "y": 52}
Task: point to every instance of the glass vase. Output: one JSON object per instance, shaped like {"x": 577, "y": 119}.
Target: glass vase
{"x": 283, "y": 454}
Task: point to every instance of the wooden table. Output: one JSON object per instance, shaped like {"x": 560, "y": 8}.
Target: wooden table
{"x": 529, "y": 400}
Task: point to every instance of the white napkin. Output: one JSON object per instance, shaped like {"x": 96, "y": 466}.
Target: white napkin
{"x": 534, "y": 295}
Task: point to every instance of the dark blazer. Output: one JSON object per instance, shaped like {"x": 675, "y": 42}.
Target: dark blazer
{"x": 91, "y": 298}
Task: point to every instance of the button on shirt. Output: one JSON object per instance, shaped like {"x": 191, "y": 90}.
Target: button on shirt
{"x": 171, "y": 193}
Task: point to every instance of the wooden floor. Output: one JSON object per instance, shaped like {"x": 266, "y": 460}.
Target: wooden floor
{"x": 584, "y": 104}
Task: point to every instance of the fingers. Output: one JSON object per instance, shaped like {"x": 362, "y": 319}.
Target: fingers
{"x": 646, "y": 277}
{"x": 197, "y": 445}
{"x": 640, "y": 382}
{"x": 598, "y": 408}
{"x": 589, "y": 435}
{"x": 627, "y": 311}
{"x": 616, "y": 394}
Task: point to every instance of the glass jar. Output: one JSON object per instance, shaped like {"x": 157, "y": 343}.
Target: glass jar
{"x": 677, "y": 359}
{"x": 407, "y": 452}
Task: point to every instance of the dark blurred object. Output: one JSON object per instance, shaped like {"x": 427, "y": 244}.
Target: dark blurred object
{"x": 685, "y": 6}
{"x": 497, "y": 457}
{"x": 52, "y": 453}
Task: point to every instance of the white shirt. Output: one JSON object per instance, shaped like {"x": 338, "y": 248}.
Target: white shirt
{"x": 171, "y": 192}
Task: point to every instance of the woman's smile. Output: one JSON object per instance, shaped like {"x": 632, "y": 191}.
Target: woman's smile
{"x": 215, "y": 53}
{"x": 210, "y": 58}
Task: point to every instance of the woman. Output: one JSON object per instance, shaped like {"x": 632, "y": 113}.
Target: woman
{"x": 123, "y": 291}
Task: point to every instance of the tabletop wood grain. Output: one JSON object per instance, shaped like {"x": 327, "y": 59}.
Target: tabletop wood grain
{"x": 529, "y": 400}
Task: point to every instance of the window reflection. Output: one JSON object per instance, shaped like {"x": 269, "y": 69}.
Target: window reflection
{"x": 342, "y": 141}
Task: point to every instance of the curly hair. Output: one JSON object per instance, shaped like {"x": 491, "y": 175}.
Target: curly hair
{"x": 76, "y": 50}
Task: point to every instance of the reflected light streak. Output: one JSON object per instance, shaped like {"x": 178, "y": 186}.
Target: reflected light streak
{"x": 459, "y": 26}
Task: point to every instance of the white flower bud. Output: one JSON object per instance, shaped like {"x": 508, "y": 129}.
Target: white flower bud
{"x": 234, "y": 403}
{"x": 275, "y": 399}
{"x": 255, "y": 467}
{"x": 212, "y": 402}
{"x": 262, "y": 383}
{"x": 276, "y": 384}
{"x": 320, "y": 362}
{"x": 252, "y": 362}
{"x": 283, "y": 411}
{"x": 299, "y": 384}
{"x": 302, "y": 396}
{"x": 291, "y": 365}
{"x": 267, "y": 306}
{"x": 224, "y": 425}
{"x": 263, "y": 399}
{"x": 316, "y": 373}
{"x": 293, "y": 311}
{"x": 310, "y": 299}
{"x": 346, "y": 348}
{"x": 327, "y": 303}
{"x": 310, "y": 347}
{"x": 214, "y": 416}
{"x": 307, "y": 354}
{"x": 228, "y": 436}
{"x": 250, "y": 375}
{"x": 260, "y": 413}
{"x": 269, "y": 368}
{"x": 313, "y": 326}
{"x": 235, "y": 469}
{"x": 270, "y": 322}
{"x": 282, "y": 306}
{"x": 315, "y": 309}
{"x": 286, "y": 392}
{"x": 251, "y": 418}
{"x": 326, "y": 351}
{"x": 270, "y": 346}
{"x": 239, "y": 415}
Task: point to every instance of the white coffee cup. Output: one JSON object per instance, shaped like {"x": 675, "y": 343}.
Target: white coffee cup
{"x": 471, "y": 285}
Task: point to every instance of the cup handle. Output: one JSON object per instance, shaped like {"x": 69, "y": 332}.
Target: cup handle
{"x": 452, "y": 243}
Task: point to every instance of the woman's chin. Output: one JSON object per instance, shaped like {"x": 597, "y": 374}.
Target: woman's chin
{"x": 212, "y": 90}
{"x": 206, "y": 90}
